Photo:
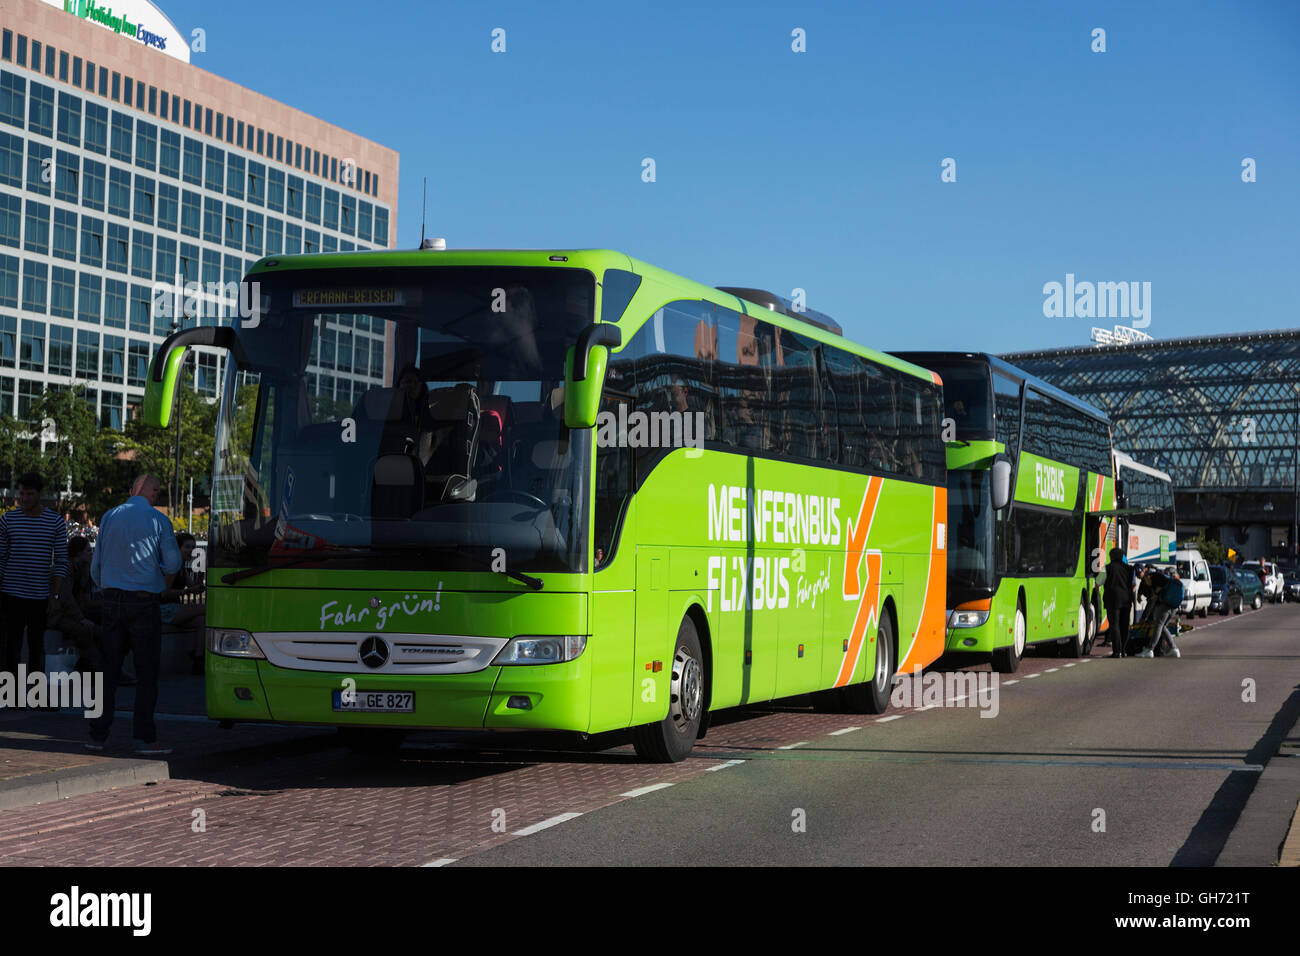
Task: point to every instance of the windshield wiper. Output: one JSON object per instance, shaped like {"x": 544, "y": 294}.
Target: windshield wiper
{"x": 326, "y": 555}
{"x": 531, "y": 582}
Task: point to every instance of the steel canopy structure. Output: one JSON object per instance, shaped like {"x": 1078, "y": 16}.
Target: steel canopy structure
{"x": 1220, "y": 413}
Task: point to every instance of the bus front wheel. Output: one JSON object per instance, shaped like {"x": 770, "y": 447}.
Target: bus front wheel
{"x": 1006, "y": 660}
{"x": 672, "y": 738}
{"x": 872, "y": 697}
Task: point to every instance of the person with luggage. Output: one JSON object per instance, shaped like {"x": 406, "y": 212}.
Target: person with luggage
{"x": 1118, "y": 598}
{"x": 1164, "y": 596}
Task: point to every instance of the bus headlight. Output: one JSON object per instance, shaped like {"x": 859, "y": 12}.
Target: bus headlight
{"x": 231, "y": 642}
{"x": 542, "y": 650}
{"x": 970, "y": 614}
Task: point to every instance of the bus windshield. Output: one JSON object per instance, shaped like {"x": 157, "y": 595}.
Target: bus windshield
{"x": 970, "y": 520}
{"x": 405, "y": 418}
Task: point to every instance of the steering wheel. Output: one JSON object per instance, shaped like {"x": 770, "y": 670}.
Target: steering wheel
{"x": 527, "y": 497}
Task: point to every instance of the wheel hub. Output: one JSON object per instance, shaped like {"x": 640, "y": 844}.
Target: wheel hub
{"x": 687, "y": 690}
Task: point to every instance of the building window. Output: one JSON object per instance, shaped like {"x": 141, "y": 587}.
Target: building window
{"x": 35, "y": 285}
{"x": 234, "y": 226}
{"x": 193, "y": 168}
{"x": 8, "y": 345}
{"x": 146, "y": 145}
{"x": 40, "y": 113}
{"x": 22, "y": 50}
{"x": 256, "y": 183}
{"x": 63, "y": 292}
{"x": 142, "y": 254}
{"x": 67, "y": 178}
{"x": 65, "y": 234}
{"x": 119, "y": 192}
{"x": 70, "y": 119}
{"x": 36, "y": 231}
{"x": 64, "y": 64}
{"x": 137, "y": 366}
{"x": 103, "y": 82}
{"x": 381, "y": 226}
{"x": 292, "y": 239}
{"x": 92, "y": 241}
{"x": 188, "y": 262}
{"x": 9, "y": 281}
{"x": 128, "y": 90}
{"x": 11, "y": 160}
{"x": 29, "y": 393}
{"x": 114, "y": 360}
{"x": 186, "y": 115}
{"x": 191, "y": 213}
{"x": 313, "y": 202}
{"x": 275, "y": 190}
{"x": 76, "y": 71}
{"x": 92, "y": 192}
{"x": 274, "y": 237}
{"x": 363, "y": 220}
{"x": 253, "y": 233}
{"x": 31, "y": 348}
{"x": 235, "y": 176}
{"x": 144, "y": 199}
{"x": 87, "y": 354}
{"x": 119, "y": 144}
{"x": 60, "y": 350}
{"x": 293, "y": 197}
{"x": 97, "y": 128}
{"x": 116, "y": 247}
{"x": 215, "y": 169}
{"x": 7, "y": 45}
{"x": 11, "y": 220}
{"x": 89, "y": 297}
{"x": 349, "y": 216}
{"x": 166, "y": 260}
{"x": 13, "y": 98}
{"x": 115, "y": 304}
{"x": 153, "y": 101}
{"x": 140, "y": 311}
{"x": 168, "y": 206}
{"x": 169, "y": 153}
{"x": 211, "y": 220}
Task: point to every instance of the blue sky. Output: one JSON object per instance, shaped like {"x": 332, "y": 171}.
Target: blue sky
{"x": 821, "y": 170}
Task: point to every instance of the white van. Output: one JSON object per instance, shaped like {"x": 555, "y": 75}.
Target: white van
{"x": 1194, "y": 572}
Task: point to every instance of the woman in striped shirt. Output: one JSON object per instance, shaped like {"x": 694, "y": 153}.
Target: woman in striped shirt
{"x": 33, "y": 564}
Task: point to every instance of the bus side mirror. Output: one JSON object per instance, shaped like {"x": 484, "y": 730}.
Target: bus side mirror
{"x": 584, "y": 373}
{"x": 1000, "y": 482}
{"x": 164, "y": 371}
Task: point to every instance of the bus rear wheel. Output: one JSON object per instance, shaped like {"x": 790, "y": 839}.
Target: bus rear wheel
{"x": 872, "y": 697}
{"x": 1006, "y": 660}
{"x": 672, "y": 738}
{"x": 1080, "y": 644}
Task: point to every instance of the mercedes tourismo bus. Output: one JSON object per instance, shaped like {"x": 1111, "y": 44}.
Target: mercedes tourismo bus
{"x": 1147, "y": 530}
{"x": 1030, "y": 489}
{"x": 574, "y": 492}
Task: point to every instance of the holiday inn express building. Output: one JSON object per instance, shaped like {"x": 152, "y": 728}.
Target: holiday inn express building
{"x": 123, "y": 165}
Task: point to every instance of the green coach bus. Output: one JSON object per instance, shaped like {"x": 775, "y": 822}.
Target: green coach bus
{"x": 1031, "y": 500}
{"x": 563, "y": 490}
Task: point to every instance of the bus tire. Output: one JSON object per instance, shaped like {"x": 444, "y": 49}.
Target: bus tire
{"x": 872, "y": 696}
{"x": 672, "y": 738}
{"x": 1006, "y": 660}
{"x": 1094, "y": 626}
{"x": 1076, "y": 646}
{"x": 374, "y": 741}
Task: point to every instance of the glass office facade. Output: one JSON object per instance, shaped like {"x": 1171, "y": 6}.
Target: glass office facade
{"x": 109, "y": 184}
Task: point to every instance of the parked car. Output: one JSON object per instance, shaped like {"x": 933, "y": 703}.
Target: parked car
{"x": 1225, "y": 594}
{"x": 1194, "y": 572}
{"x": 1269, "y": 577}
{"x": 1291, "y": 585}
{"x": 1252, "y": 592}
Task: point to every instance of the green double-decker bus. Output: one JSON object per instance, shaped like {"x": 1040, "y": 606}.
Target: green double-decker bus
{"x": 1031, "y": 497}
{"x": 561, "y": 490}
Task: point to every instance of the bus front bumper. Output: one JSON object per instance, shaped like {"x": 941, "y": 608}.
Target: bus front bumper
{"x": 532, "y": 697}
{"x": 997, "y": 631}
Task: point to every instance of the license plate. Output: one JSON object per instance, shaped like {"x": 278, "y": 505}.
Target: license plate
{"x": 376, "y": 701}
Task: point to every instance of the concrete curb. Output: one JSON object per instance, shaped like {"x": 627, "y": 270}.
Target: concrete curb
{"x": 52, "y": 785}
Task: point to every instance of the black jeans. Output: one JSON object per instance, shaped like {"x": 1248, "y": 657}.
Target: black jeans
{"x": 1120, "y": 617}
{"x": 23, "y": 615}
{"x": 132, "y": 622}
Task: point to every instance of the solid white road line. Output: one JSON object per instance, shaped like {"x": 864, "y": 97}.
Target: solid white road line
{"x": 884, "y": 720}
{"x": 441, "y": 861}
{"x": 643, "y": 790}
{"x": 724, "y": 766}
{"x": 1028, "y": 676}
{"x": 846, "y": 730}
{"x": 1051, "y": 670}
{"x": 553, "y": 821}
{"x": 1008, "y": 683}
{"x": 802, "y": 743}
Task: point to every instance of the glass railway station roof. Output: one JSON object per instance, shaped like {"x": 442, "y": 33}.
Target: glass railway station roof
{"x": 1219, "y": 413}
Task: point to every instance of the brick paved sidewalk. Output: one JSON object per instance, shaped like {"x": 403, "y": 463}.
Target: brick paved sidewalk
{"x": 50, "y": 746}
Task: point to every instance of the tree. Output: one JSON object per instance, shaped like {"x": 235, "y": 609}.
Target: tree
{"x": 18, "y": 450}
{"x": 153, "y": 449}
{"x": 1212, "y": 551}
{"x": 80, "y": 454}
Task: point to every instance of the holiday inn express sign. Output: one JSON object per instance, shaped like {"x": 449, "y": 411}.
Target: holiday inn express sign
{"x": 137, "y": 20}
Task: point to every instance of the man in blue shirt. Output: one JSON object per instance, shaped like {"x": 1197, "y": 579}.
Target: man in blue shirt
{"x": 135, "y": 549}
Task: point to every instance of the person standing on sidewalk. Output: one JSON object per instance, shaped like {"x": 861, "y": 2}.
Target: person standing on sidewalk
{"x": 33, "y": 564}
{"x": 1118, "y": 598}
{"x": 135, "y": 548}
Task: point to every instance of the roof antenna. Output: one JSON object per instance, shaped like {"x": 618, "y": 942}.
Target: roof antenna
{"x": 424, "y": 210}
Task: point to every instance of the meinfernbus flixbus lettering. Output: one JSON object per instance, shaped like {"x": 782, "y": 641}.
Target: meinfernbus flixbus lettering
{"x": 1031, "y": 497}
{"x": 576, "y": 493}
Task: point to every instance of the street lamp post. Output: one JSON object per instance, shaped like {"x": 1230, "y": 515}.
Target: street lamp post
{"x": 176, "y": 411}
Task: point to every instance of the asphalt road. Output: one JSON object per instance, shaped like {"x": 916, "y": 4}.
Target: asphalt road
{"x": 1099, "y": 761}
{"x": 1161, "y": 752}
